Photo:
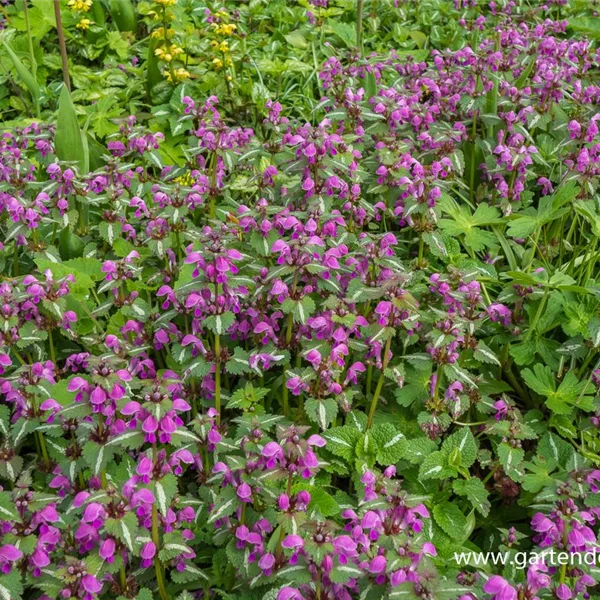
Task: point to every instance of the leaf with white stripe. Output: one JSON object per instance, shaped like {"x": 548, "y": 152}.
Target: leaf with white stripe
{"x": 164, "y": 492}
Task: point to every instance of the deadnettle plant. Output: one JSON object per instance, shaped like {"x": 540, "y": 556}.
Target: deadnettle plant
{"x": 319, "y": 317}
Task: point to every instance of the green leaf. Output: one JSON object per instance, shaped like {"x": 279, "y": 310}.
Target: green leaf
{"x": 28, "y": 77}
{"x": 322, "y": 412}
{"x": 463, "y": 441}
{"x": 570, "y": 393}
{"x": 117, "y": 43}
{"x": 174, "y": 544}
{"x": 154, "y": 75}
{"x": 341, "y": 441}
{"x": 11, "y": 587}
{"x": 29, "y": 334}
{"x": 8, "y": 512}
{"x": 511, "y": 460}
{"x": 417, "y": 449}
{"x": 474, "y": 490}
{"x": 554, "y": 450}
{"x": 484, "y": 354}
{"x": 370, "y": 85}
{"x": 404, "y": 591}
{"x": 130, "y": 440}
{"x": 96, "y": 456}
{"x": 301, "y": 309}
{"x": 587, "y": 26}
{"x": 538, "y": 474}
{"x": 297, "y": 40}
{"x": 322, "y": 501}
{"x": 124, "y": 528}
{"x": 345, "y": 31}
{"x": 522, "y": 79}
{"x": 435, "y": 467}
{"x": 416, "y": 387}
{"x": 123, "y": 14}
{"x": 452, "y": 521}
{"x": 225, "y": 505}
{"x": 366, "y": 448}
{"x": 41, "y": 19}
{"x": 343, "y": 573}
{"x": 550, "y": 208}
{"x": 110, "y": 232}
{"x": 219, "y": 324}
{"x": 388, "y": 441}
{"x": 164, "y": 492}
{"x": 68, "y": 141}
{"x": 468, "y": 225}
{"x": 436, "y": 244}
{"x": 104, "y": 111}
{"x": 238, "y": 363}
{"x": 248, "y": 397}
{"x": 71, "y": 245}
{"x": 85, "y": 270}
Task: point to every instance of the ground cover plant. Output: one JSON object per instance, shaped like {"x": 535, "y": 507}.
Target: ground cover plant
{"x": 299, "y": 300}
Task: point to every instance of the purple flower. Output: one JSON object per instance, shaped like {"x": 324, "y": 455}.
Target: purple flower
{"x": 499, "y": 588}
{"x": 292, "y": 542}
{"x": 288, "y": 593}
{"x": 244, "y": 492}
{"x": 9, "y": 554}
{"x": 107, "y": 550}
{"x": 377, "y": 565}
{"x": 499, "y": 313}
{"x": 563, "y": 592}
{"x": 90, "y": 584}
{"x": 147, "y": 553}
{"x": 266, "y": 562}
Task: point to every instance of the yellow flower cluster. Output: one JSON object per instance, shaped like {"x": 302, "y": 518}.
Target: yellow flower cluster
{"x": 83, "y": 24}
{"x": 224, "y": 28}
{"x": 185, "y": 180}
{"x": 221, "y": 47}
{"x": 160, "y": 33}
{"x": 219, "y": 62}
{"x": 168, "y": 53}
{"x": 178, "y": 75}
{"x": 80, "y": 5}
{"x": 158, "y": 16}
{"x": 167, "y": 49}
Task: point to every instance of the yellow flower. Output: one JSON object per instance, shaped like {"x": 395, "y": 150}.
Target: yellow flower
{"x": 81, "y": 5}
{"x": 217, "y": 62}
{"x": 186, "y": 180}
{"x": 225, "y": 28}
{"x": 159, "y": 33}
{"x": 180, "y": 75}
{"x": 224, "y": 47}
{"x": 83, "y": 24}
{"x": 168, "y": 54}
{"x": 166, "y": 2}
